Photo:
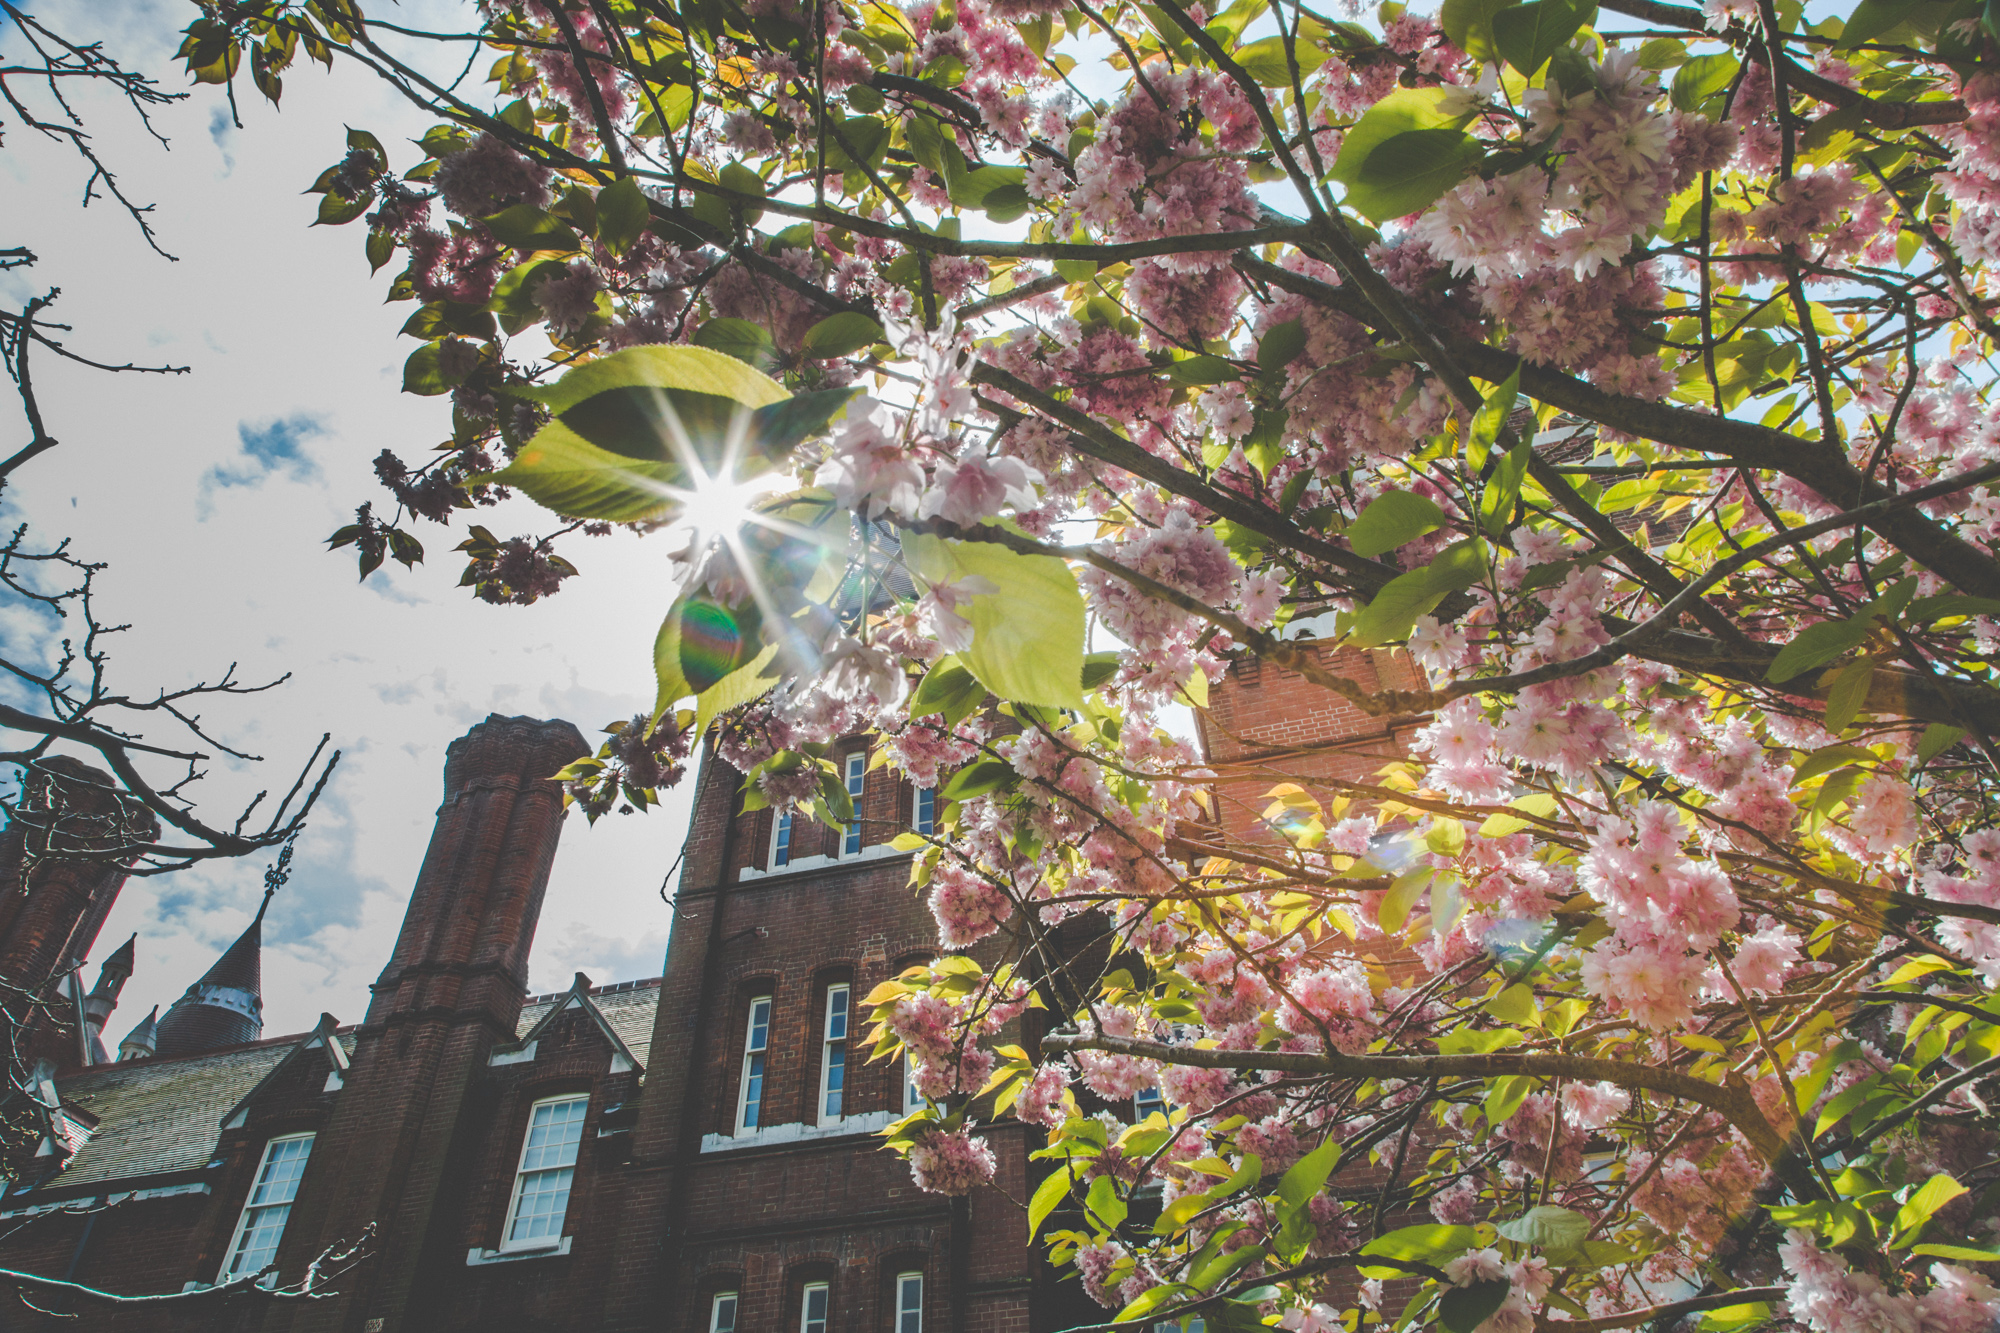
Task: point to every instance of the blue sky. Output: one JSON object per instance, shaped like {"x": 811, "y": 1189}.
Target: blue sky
{"x": 211, "y": 494}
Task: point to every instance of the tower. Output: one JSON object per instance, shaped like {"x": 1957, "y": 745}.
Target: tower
{"x": 139, "y": 1043}
{"x": 453, "y": 988}
{"x": 103, "y": 999}
{"x": 224, "y": 1008}
{"x": 63, "y": 859}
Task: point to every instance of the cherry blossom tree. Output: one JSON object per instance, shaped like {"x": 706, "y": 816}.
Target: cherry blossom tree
{"x": 1629, "y": 365}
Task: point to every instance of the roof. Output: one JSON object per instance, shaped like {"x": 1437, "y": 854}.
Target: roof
{"x": 627, "y": 1008}
{"x": 157, "y": 1117}
{"x": 226, "y": 1007}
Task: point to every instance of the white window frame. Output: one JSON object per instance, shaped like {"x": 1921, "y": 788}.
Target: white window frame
{"x": 832, "y": 1047}
{"x": 756, "y": 1058}
{"x": 1148, "y": 1100}
{"x": 917, "y": 819}
{"x": 253, "y": 1210}
{"x": 909, "y": 1284}
{"x": 807, "y": 1324}
{"x": 857, "y": 782}
{"x": 781, "y": 840}
{"x": 912, "y": 1099}
{"x": 715, "y": 1307}
{"x": 522, "y": 1171}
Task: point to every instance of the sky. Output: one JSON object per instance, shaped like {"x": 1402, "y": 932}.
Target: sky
{"x": 209, "y": 496}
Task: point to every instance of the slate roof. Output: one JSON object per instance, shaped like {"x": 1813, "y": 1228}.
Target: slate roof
{"x": 158, "y": 1117}
{"x": 628, "y": 1007}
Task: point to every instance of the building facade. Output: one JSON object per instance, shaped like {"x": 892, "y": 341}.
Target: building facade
{"x": 693, "y": 1152}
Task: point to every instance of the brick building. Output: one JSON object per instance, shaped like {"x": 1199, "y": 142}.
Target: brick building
{"x": 694, "y": 1152}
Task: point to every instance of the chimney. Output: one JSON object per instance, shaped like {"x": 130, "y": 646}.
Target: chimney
{"x": 60, "y": 874}
{"x": 453, "y": 989}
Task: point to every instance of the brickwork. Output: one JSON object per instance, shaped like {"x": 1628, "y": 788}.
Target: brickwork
{"x": 50, "y": 916}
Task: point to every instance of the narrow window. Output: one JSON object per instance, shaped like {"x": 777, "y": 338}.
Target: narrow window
{"x": 262, "y": 1225}
{"x": 722, "y": 1313}
{"x": 812, "y": 1310}
{"x": 857, "y": 775}
{"x": 833, "y": 1062}
{"x": 548, "y": 1165}
{"x": 924, "y": 817}
{"x": 912, "y": 1099}
{"x": 755, "y": 1044}
{"x": 781, "y": 841}
{"x": 909, "y": 1303}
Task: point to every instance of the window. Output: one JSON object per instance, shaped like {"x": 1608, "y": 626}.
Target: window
{"x": 909, "y": 1303}
{"x": 1194, "y": 1324}
{"x": 548, "y": 1164}
{"x": 751, "y": 1100}
{"x": 912, "y": 1099}
{"x": 722, "y": 1313}
{"x": 1147, "y": 1102}
{"x": 923, "y": 818}
{"x": 857, "y": 776}
{"x": 781, "y": 841}
{"x": 812, "y": 1309}
{"x": 833, "y": 1059}
{"x": 262, "y": 1225}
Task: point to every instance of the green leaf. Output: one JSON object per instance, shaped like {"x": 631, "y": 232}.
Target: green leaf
{"x": 838, "y": 335}
{"x": 421, "y": 374}
{"x": 1047, "y": 1198}
{"x": 1701, "y": 78}
{"x": 1736, "y": 1318}
{"x": 1307, "y": 1176}
{"x": 1007, "y": 202}
{"x": 977, "y": 779}
{"x": 1264, "y": 60}
{"x": 1202, "y": 369}
{"x": 1431, "y": 1243}
{"x": 661, "y": 367}
{"x": 1469, "y": 25}
{"x": 1463, "y": 1309}
{"x": 525, "y": 227}
{"x": 1027, "y": 633}
{"x": 1913, "y": 1216}
{"x": 1527, "y": 35}
{"x": 1104, "y": 1204}
{"x": 622, "y": 214}
{"x": 1963, "y": 1253}
{"x": 1496, "y": 502}
{"x": 740, "y": 340}
{"x": 1816, "y": 645}
{"x": 1394, "y": 909}
{"x": 1380, "y": 189}
{"x": 1548, "y": 1227}
{"x": 1393, "y": 612}
{"x": 1848, "y": 693}
{"x": 1513, "y": 1004}
{"x": 1281, "y": 344}
{"x": 1827, "y": 758}
{"x": 1872, "y": 18}
{"x": 1925, "y": 610}
{"x": 950, "y": 689}
{"x": 1393, "y": 519}
{"x": 1491, "y": 419}
{"x": 1535, "y": 803}
{"x": 1506, "y": 1096}
{"x": 1937, "y": 738}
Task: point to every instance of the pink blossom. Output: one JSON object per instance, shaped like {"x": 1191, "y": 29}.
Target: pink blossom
{"x": 951, "y": 1162}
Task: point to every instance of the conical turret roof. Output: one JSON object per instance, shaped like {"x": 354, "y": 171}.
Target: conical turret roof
{"x": 121, "y": 961}
{"x": 139, "y": 1043}
{"x": 226, "y": 1007}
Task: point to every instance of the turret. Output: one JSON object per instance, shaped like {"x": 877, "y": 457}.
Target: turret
{"x": 103, "y": 998}
{"x": 224, "y": 1008}
{"x": 139, "y": 1042}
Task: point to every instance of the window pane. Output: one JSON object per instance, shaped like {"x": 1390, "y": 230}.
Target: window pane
{"x": 910, "y": 1303}
{"x": 857, "y": 777}
{"x": 836, "y": 1014}
{"x": 269, "y": 1206}
{"x": 836, "y": 1076}
{"x": 753, "y": 1091}
{"x": 722, "y": 1315}
{"x": 760, "y": 1024}
{"x": 926, "y": 810}
{"x": 548, "y": 1161}
{"x": 781, "y": 843}
{"x": 543, "y": 1201}
{"x": 813, "y": 1317}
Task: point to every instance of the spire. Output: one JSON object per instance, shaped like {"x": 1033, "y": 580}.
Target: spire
{"x": 138, "y": 1043}
{"x": 103, "y": 998}
{"x": 226, "y": 1007}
